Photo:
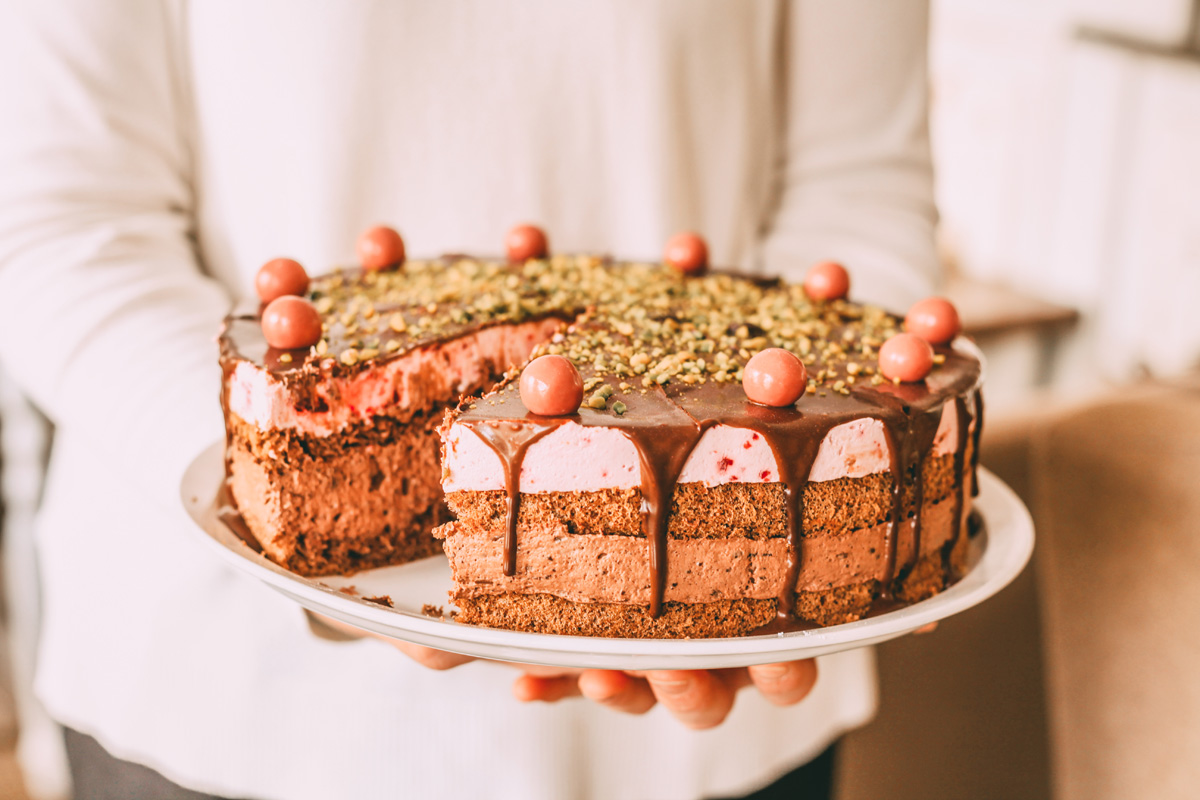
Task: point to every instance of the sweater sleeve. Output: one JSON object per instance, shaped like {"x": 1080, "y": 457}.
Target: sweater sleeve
{"x": 109, "y": 322}
{"x": 855, "y": 182}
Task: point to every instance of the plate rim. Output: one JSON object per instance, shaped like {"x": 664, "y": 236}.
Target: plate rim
{"x": 1004, "y": 554}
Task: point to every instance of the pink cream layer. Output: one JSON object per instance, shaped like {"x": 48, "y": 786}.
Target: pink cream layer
{"x": 575, "y": 458}
{"x": 414, "y": 380}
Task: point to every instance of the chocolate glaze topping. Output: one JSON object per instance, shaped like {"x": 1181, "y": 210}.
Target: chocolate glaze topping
{"x": 510, "y": 440}
{"x": 975, "y": 450}
{"x": 960, "y": 451}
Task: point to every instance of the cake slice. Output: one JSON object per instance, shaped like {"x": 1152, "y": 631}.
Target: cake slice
{"x": 332, "y": 453}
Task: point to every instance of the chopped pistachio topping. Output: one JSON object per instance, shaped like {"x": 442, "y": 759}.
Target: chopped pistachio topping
{"x": 637, "y": 326}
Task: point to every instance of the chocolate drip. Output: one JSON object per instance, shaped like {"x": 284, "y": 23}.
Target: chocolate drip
{"x": 794, "y": 469}
{"x": 975, "y": 523}
{"x": 909, "y": 431}
{"x": 920, "y": 444}
{"x": 891, "y": 537}
{"x": 794, "y": 435}
{"x": 662, "y": 452}
{"x": 795, "y": 439}
{"x": 960, "y": 451}
{"x": 975, "y": 443}
{"x": 509, "y": 441}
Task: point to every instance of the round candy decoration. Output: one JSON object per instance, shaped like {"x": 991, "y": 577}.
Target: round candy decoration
{"x": 279, "y": 277}
{"x": 934, "y": 319}
{"x": 380, "y": 248}
{"x": 525, "y": 242}
{"x": 551, "y": 386}
{"x": 906, "y": 357}
{"x": 687, "y": 253}
{"x": 291, "y": 322}
{"x": 774, "y": 377}
{"x": 827, "y": 281}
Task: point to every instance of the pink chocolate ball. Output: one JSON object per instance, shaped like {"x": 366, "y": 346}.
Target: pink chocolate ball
{"x": 905, "y": 356}
{"x": 525, "y": 242}
{"x": 291, "y": 322}
{"x": 380, "y": 248}
{"x": 827, "y": 281}
{"x": 279, "y": 277}
{"x": 774, "y": 377}
{"x": 934, "y": 319}
{"x": 551, "y": 386}
{"x": 687, "y": 253}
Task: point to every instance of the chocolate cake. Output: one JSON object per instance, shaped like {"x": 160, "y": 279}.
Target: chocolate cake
{"x": 665, "y": 504}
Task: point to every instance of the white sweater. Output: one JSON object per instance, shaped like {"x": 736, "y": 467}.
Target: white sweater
{"x": 154, "y": 154}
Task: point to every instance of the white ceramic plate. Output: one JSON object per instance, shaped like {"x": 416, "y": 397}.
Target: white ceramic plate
{"x": 997, "y": 556}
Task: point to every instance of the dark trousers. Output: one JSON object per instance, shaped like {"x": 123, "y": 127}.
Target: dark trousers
{"x": 100, "y": 776}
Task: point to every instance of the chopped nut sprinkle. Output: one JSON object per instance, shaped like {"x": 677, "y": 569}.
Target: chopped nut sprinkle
{"x": 637, "y": 327}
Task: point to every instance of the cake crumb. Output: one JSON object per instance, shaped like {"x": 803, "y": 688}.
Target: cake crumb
{"x": 380, "y": 600}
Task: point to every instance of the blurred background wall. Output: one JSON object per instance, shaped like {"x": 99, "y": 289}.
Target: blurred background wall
{"x": 1066, "y": 136}
{"x": 1067, "y": 144}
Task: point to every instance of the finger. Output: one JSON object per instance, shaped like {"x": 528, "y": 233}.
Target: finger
{"x": 928, "y": 627}
{"x": 532, "y": 688}
{"x": 542, "y": 671}
{"x": 784, "y": 684}
{"x": 697, "y": 698}
{"x": 431, "y": 658}
{"x": 617, "y": 690}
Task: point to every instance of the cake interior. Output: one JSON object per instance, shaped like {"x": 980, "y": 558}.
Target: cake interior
{"x": 345, "y": 502}
{"x": 369, "y": 493}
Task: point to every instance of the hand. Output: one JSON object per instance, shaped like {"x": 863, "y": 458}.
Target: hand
{"x": 699, "y": 699}
{"x": 430, "y": 657}
{"x": 425, "y": 656}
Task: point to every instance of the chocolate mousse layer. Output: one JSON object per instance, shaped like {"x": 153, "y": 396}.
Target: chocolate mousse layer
{"x": 338, "y": 504}
{"x": 548, "y": 613}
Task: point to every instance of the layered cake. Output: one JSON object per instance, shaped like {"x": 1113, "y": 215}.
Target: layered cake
{"x": 608, "y": 448}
